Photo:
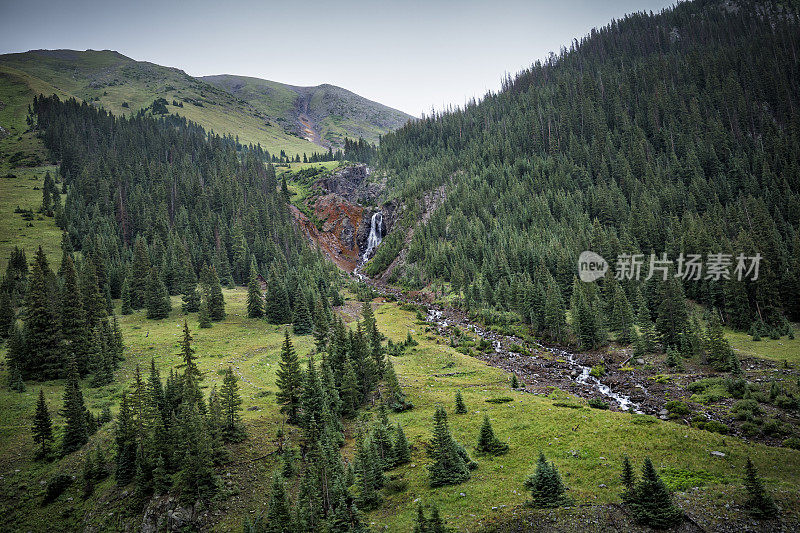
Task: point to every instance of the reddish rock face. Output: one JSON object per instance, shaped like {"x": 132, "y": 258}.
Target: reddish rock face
{"x": 340, "y": 220}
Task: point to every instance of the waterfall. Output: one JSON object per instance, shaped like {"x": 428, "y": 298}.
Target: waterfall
{"x": 375, "y": 234}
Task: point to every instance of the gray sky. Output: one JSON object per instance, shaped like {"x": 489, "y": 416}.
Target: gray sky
{"x": 411, "y": 55}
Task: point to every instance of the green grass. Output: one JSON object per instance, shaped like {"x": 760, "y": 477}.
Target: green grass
{"x": 15, "y": 231}
{"x": 783, "y": 349}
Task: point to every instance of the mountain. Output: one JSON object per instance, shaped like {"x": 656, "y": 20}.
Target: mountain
{"x": 323, "y": 114}
{"x": 123, "y": 85}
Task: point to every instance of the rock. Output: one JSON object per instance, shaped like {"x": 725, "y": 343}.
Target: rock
{"x": 640, "y": 361}
{"x": 717, "y": 454}
{"x": 461, "y": 494}
{"x": 602, "y": 485}
{"x": 663, "y": 412}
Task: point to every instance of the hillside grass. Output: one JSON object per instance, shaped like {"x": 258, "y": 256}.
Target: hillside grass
{"x": 587, "y": 445}
{"x": 783, "y": 349}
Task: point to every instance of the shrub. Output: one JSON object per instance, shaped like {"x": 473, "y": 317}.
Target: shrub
{"x": 746, "y": 409}
{"x": 598, "y": 371}
{"x": 716, "y": 427}
{"x": 596, "y": 403}
{"x": 677, "y": 408}
{"x": 395, "y": 486}
{"x": 785, "y": 401}
{"x": 751, "y": 429}
{"x": 792, "y": 442}
{"x": 501, "y": 399}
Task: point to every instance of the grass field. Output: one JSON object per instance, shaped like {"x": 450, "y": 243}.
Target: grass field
{"x": 586, "y": 444}
{"x": 783, "y": 349}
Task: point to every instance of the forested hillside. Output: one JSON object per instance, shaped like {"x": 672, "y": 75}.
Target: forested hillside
{"x": 671, "y": 132}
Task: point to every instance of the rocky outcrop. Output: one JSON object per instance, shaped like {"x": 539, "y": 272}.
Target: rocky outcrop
{"x": 340, "y": 217}
{"x": 166, "y": 514}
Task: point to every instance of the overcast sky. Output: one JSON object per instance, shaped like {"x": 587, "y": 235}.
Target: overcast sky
{"x": 411, "y": 55}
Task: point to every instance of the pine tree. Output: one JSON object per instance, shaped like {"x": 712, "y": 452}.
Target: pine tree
{"x": 672, "y": 316}
{"x": 276, "y": 306}
{"x": 488, "y": 443}
{"x": 289, "y": 380}
{"x": 628, "y": 479}
{"x": 126, "y": 443}
{"x": 188, "y": 280}
{"x": 402, "y": 451}
{"x": 461, "y": 408}
{"x": 73, "y": 325}
{"x": 216, "y": 301}
{"x": 7, "y": 313}
{"x": 278, "y": 518}
{"x": 255, "y": 300}
{"x": 514, "y": 381}
{"x": 42, "y": 331}
{"x": 651, "y": 502}
{"x": 195, "y": 478}
{"x": 204, "y": 320}
{"x": 190, "y": 382}
{"x": 395, "y": 398}
{"x": 545, "y": 485}
{"x": 350, "y": 391}
{"x": 759, "y": 502}
{"x": 74, "y": 413}
{"x": 140, "y": 273}
{"x": 125, "y": 295}
{"x": 321, "y": 326}
{"x": 718, "y": 350}
{"x": 42, "y": 429}
{"x": 231, "y": 400}
{"x": 369, "y": 476}
{"x": 449, "y": 467}
{"x": 302, "y": 323}
{"x": 157, "y": 299}
{"x": 555, "y": 321}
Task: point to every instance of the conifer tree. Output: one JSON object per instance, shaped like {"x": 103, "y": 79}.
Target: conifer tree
{"x": 73, "y": 326}
{"x": 74, "y": 413}
{"x": 255, "y": 300}
{"x": 545, "y": 485}
{"x": 276, "y": 306}
{"x": 461, "y": 408}
{"x": 628, "y": 479}
{"x": 302, "y": 323}
{"x": 126, "y": 443}
{"x": 7, "y": 313}
{"x": 759, "y": 502}
{"x": 350, "y": 392}
{"x": 488, "y": 443}
{"x": 373, "y": 337}
{"x": 718, "y": 350}
{"x": 449, "y": 467}
{"x": 672, "y": 316}
{"x": 140, "y": 273}
{"x": 157, "y": 299}
{"x": 289, "y": 380}
{"x": 368, "y": 476}
{"x": 279, "y": 518}
{"x": 396, "y": 398}
{"x": 42, "y": 332}
{"x": 216, "y": 301}
{"x": 402, "y": 451}
{"x": 125, "y": 295}
{"x": 555, "y": 321}
{"x": 231, "y": 401}
{"x": 42, "y": 429}
{"x": 204, "y": 318}
{"x": 188, "y": 280}
{"x": 195, "y": 477}
{"x": 651, "y": 502}
{"x": 190, "y": 382}
{"x": 321, "y": 326}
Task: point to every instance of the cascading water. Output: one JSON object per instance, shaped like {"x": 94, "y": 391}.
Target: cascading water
{"x": 375, "y": 235}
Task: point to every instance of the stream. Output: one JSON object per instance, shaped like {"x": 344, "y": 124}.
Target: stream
{"x": 581, "y": 372}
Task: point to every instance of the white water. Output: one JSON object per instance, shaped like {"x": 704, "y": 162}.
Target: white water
{"x": 375, "y": 235}
{"x": 584, "y": 377}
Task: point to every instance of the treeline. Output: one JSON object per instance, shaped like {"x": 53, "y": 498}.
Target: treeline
{"x": 674, "y": 132}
